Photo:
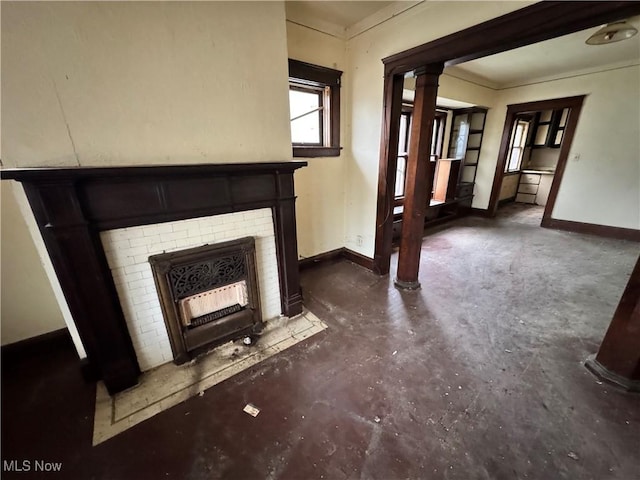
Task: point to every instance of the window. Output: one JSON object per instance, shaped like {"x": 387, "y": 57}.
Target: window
{"x": 437, "y": 136}
{"x": 518, "y": 142}
{"x": 314, "y": 107}
{"x": 403, "y": 153}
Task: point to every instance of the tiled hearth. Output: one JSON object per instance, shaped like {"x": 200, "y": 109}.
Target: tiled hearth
{"x": 170, "y": 384}
{"x": 128, "y": 251}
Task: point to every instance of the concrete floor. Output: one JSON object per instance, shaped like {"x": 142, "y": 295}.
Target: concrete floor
{"x": 477, "y": 375}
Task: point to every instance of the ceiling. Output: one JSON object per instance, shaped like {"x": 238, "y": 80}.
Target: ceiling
{"x": 343, "y": 14}
{"x": 545, "y": 60}
{"x": 549, "y": 59}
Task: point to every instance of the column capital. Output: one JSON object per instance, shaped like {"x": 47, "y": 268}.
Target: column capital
{"x": 430, "y": 69}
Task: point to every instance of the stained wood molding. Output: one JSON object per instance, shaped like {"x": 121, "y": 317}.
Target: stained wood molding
{"x": 337, "y": 254}
{"x": 593, "y": 229}
{"x": 36, "y": 345}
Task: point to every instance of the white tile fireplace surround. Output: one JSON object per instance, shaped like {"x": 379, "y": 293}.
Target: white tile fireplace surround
{"x": 128, "y": 250}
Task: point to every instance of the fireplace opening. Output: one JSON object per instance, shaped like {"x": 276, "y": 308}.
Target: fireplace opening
{"x": 209, "y": 295}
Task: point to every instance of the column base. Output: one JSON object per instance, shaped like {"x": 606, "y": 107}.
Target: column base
{"x": 402, "y": 285}
{"x": 608, "y": 376}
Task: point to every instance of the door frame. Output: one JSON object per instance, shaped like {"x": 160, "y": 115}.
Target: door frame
{"x": 532, "y": 24}
{"x": 575, "y": 106}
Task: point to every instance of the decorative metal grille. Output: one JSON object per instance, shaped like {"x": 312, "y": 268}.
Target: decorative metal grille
{"x": 198, "y": 277}
{"x": 213, "y": 316}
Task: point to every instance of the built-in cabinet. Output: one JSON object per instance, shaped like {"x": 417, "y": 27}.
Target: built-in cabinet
{"x": 465, "y": 142}
{"x": 534, "y": 187}
{"x": 454, "y": 176}
{"x": 548, "y": 128}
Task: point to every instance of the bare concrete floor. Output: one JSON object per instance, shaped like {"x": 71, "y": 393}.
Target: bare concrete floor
{"x": 477, "y": 375}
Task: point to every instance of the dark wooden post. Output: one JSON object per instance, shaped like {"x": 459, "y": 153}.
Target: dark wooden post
{"x": 387, "y": 171}
{"x": 418, "y": 176}
{"x": 618, "y": 359}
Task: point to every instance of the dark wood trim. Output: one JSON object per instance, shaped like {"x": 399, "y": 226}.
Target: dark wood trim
{"x": 477, "y": 212}
{"x": 525, "y": 26}
{"x": 327, "y": 77}
{"x": 387, "y": 172}
{"x": 358, "y": 259}
{"x": 72, "y": 205}
{"x": 335, "y": 255}
{"x": 36, "y": 345}
{"x": 315, "y": 152}
{"x": 42, "y": 174}
{"x": 90, "y": 373}
{"x": 593, "y": 229}
{"x": 419, "y": 176}
{"x": 513, "y": 111}
{"x": 314, "y": 73}
{"x": 565, "y": 147}
{"x": 504, "y": 201}
{"x": 330, "y": 256}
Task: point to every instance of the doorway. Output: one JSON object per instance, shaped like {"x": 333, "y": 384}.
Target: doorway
{"x": 534, "y": 150}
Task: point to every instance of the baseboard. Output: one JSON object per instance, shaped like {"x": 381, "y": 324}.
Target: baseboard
{"x": 506, "y": 200}
{"x": 38, "y": 344}
{"x": 320, "y": 258}
{"x": 358, "y": 259}
{"x": 608, "y": 376}
{"x": 593, "y": 229}
{"x": 334, "y": 255}
{"x": 89, "y": 371}
{"x": 477, "y": 212}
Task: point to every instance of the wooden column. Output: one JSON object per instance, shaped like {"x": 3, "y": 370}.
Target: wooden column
{"x": 618, "y": 359}
{"x": 387, "y": 171}
{"x": 418, "y": 176}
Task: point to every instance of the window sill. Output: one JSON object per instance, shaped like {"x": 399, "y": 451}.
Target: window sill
{"x": 311, "y": 152}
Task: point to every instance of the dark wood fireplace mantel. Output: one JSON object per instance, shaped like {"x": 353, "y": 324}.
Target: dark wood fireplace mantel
{"x": 72, "y": 206}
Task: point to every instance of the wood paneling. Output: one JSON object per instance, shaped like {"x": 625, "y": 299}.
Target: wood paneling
{"x": 72, "y": 205}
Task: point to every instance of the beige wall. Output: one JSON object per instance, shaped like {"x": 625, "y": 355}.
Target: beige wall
{"x": 320, "y": 186}
{"x": 144, "y": 82}
{"x": 123, "y": 83}
{"x": 27, "y": 306}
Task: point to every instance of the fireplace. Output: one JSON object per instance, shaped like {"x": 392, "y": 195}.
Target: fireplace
{"x": 208, "y": 294}
{"x": 74, "y": 206}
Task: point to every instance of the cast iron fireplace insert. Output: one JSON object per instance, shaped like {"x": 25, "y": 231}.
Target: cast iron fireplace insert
{"x": 209, "y": 295}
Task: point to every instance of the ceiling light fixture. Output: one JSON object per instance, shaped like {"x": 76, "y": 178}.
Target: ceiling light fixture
{"x": 612, "y": 32}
